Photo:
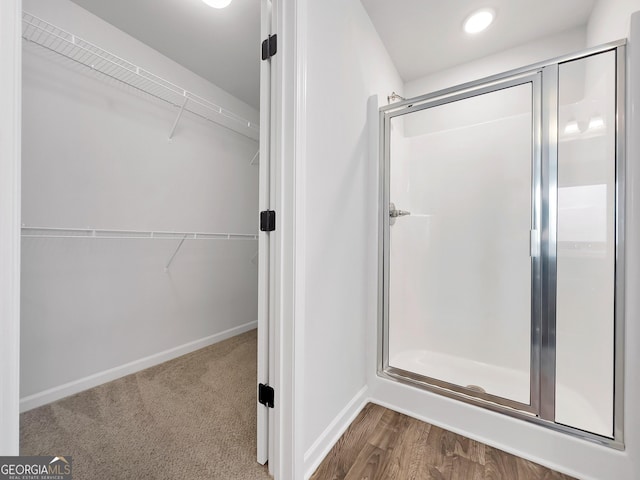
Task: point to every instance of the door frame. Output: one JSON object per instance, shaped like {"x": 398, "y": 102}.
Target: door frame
{"x": 10, "y": 188}
{"x": 265, "y": 256}
{"x": 286, "y": 103}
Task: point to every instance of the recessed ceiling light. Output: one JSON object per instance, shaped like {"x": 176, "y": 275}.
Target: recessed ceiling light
{"x": 479, "y": 20}
{"x": 217, "y": 3}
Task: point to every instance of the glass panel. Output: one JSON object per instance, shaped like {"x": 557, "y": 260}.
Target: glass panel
{"x": 460, "y": 269}
{"x": 586, "y": 244}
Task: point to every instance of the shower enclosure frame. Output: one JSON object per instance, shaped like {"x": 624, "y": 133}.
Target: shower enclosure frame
{"x": 544, "y": 79}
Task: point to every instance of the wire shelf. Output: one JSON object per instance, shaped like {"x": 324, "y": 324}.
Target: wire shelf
{"x": 48, "y": 232}
{"x": 55, "y": 39}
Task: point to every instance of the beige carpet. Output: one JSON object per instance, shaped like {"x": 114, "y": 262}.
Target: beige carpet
{"x": 191, "y": 418}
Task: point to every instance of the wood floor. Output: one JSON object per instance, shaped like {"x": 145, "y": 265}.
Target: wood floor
{"x": 386, "y": 445}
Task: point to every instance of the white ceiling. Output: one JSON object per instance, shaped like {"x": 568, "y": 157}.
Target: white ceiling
{"x": 222, "y": 46}
{"x": 425, "y": 36}
{"x": 422, "y": 36}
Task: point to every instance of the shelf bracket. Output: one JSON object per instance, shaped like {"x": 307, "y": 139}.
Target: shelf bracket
{"x": 166, "y": 268}
{"x": 175, "y": 124}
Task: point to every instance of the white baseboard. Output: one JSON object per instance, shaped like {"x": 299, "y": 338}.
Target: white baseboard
{"x": 321, "y": 447}
{"x": 56, "y": 393}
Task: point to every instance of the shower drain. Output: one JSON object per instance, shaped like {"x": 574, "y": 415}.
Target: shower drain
{"x": 476, "y": 388}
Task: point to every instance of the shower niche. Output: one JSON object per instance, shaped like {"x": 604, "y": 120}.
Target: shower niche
{"x": 501, "y": 281}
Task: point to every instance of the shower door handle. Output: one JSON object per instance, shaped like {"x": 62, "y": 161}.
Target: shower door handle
{"x": 398, "y": 213}
{"x": 395, "y": 213}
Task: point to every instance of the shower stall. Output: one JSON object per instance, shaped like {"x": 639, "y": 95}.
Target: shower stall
{"x": 502, "y": 243}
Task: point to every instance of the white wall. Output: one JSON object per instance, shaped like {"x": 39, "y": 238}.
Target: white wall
{"x": 527, "y": 54}
{"x": 96, "y": 154}
{"x": 609, "y": 20}
{"x": 346, "y": 66}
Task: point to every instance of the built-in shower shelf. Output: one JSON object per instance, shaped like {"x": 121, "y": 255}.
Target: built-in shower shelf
{"x": 57, "y": 40}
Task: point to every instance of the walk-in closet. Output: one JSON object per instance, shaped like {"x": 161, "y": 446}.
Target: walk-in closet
{"x": 140, "y": 168}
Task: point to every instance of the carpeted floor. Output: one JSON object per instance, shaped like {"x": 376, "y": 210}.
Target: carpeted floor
{"x": 190, "y": 418}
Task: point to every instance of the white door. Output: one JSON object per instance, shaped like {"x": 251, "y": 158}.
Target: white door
{"x": 266, "y": 247}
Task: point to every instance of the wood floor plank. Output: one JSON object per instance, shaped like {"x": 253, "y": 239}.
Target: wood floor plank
{"x": 500, "y": 466}
{"x": 386, "y": 445}
{"x": 390, "y": 427}
{"x": 455, "y": 467}
{"x": 440, "y": 445}
{"x": 367, "y": 464}
{"x": 404, "y": 460}
{"x": 469, "y": 449}
{"x": 463, "y": 468}
{"x": 527, "y": 469}
{"x": 421, "y": 450}
{"x": 340, "y": 459}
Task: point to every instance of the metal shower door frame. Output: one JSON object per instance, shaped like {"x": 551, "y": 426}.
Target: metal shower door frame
{"x": 534, "y": 79}
{"x": 544, "y": 78}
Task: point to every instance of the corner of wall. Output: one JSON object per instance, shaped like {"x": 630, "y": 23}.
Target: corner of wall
{"x": 330, "y": 436}
{"x": 609, "y": 20}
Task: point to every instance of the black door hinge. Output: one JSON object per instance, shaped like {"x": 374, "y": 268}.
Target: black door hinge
{"x": 267, "y": 221}
{"x": 266, "y": 395}
{"x": 269, "y": 47}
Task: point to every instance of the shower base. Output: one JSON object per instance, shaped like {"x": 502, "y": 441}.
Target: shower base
{"x": 572, "y": 408}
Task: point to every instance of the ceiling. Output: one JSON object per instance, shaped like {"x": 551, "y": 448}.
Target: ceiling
{"x": 425, "y": 36}
{"x": 422, "y": 36}
{"x": 219, "y": 45}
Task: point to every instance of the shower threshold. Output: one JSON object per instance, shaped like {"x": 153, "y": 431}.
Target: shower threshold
{"x": 494, "y": 380}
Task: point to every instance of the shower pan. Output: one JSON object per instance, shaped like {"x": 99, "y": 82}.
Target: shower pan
{"x": 501, "y": 232}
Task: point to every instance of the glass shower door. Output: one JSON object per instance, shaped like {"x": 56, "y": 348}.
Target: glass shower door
{"x": 462, "y": 241}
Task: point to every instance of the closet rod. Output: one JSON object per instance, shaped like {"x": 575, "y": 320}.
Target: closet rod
{"x": 55, "y": 39}
{"x": 48, "y": 232}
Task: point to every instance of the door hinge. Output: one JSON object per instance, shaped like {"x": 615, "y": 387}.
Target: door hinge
{"x": 269, "y": 47}
{"x": 265, "y": 395}
{"x": 267, "y": 221}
